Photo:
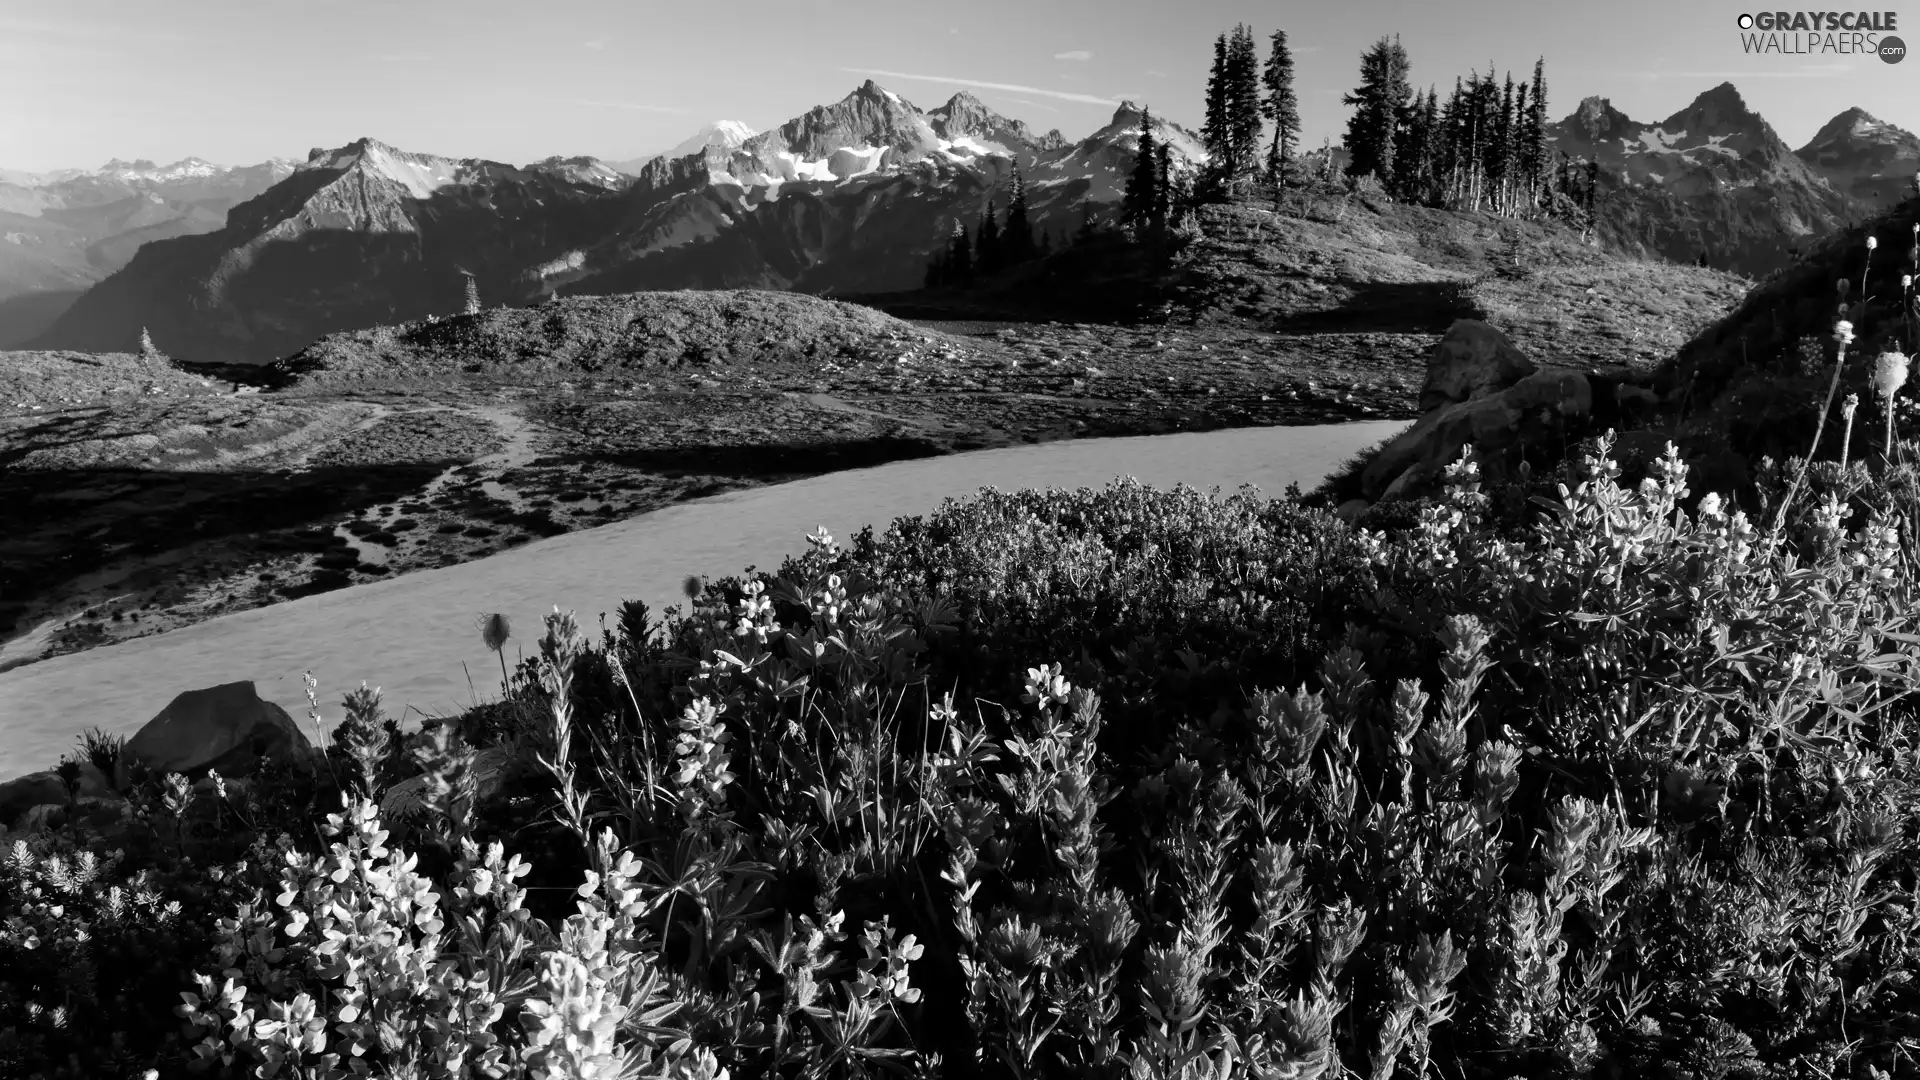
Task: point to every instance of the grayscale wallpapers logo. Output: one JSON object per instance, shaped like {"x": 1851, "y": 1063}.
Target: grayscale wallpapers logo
{"x": 1823, "y": 33}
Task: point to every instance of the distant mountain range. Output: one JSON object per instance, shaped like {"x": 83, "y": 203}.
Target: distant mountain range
{"x": 1715, "y": 178}
{"x": 850, "y": 197}
{"x": 61, "y": 232}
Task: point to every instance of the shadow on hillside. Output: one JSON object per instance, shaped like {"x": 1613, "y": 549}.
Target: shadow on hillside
{"x": 766, "y": 462}
{"x": 23, "y": 318}
{"x": 65, "y": 523}
{"x": 1416, "y": 307}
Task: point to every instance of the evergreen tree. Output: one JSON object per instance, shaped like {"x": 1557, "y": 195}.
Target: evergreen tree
{"x": 1536, "y": 159}
{"x": 473, "y": 294}
{"x": 1243, "y": 107}
{"x": 1413, "y": 161}
{"x": 959, "y": 262}
{"x": 1593, "y": 196}
{"x": 986, "y": 246}
{"x": 148, "y": 350}
{"x": 1142, "y": 196}
{"x": 1016, "y": 240}
{"x": 937, "y": 268}
{"x": 1503, "y": 151}
{"x": 1166, "y": 195}
{"x": 1282, "y": 107}
{"x": 1213, "y": 130}
{"x": 1379, "y": 103}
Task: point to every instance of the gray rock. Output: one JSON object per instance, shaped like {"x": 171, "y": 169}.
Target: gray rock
{"x": 1540, "y": 402}
{"x": 227, "y": 727}
{"x": 1471, "y": 361}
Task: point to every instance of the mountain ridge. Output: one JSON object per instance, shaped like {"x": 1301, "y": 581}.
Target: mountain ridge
{"x": 853, "y": 196}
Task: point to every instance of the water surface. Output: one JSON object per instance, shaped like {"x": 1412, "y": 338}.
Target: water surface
{"x": 414, "y": 635}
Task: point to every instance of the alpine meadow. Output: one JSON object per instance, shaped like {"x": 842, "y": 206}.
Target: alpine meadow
{"x": 1572, "y": 729}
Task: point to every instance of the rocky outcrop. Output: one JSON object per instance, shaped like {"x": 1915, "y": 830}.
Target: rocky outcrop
{"x": 227, "y": 728}
{"x": 1533, "y": 410}
{"x": 1472, "y": 360}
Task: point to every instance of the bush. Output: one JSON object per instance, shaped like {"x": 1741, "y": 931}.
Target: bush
{"x": 1127, "y": 783}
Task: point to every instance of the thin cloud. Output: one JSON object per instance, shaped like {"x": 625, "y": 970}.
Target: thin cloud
{"x": 630, "y": 106}
{"x": 1011, "y": 88}
{"x": 1032, "y": 105}
{"x": 596, "y": 44}
{"x": 1073, "y": 54}
{"x": 1156, "y": 74}
{"x": 1307, "y": 49}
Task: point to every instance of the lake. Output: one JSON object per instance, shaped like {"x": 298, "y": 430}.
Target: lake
{"x": 411, "y": 635}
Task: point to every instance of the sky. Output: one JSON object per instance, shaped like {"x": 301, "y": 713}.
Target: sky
{"x": 239, "y": 81}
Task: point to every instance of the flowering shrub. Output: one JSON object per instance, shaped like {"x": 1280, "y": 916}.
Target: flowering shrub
{"x": 1562, "y": 778}
{"x": 89, "y": 941}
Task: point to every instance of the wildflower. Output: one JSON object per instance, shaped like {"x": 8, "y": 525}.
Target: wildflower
{"x": 1872, "y": 243}
{"x": 1890, "y": 372}
{"x": 1046, "y": 686}
{"x": 1843, "y": 332}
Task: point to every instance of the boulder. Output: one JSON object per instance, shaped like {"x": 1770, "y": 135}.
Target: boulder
{"x": 227, "y": 727}
{"x": 23, "y": 793}
{"x": 1541, "y": 403}
{"x": 1471, "y": 361}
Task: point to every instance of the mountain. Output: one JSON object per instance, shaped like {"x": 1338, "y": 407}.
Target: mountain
{"x": 61, "y": 232}
{"x": 725, "y": 134}
{"x": 355, "y": 236}
{"x": 1873, "y": 162}
{"x": 854, "y": 196}
{"x": 1713, "y": 178}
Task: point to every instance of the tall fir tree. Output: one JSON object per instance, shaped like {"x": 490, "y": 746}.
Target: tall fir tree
{"x": 1142, "y": 196}
{"x": 959, "y": 264}
{"x": 1413, "y": 160}
{"x": 1213, "y": 130}
{"x": 986, "y": 244}
{"x": 1379, "y": 103}
{"x": 1593, "y": 198}
{"x": 1504, "y": 140}
{"x": 1166, "y": 193}
{"x": 1281, "y": 107}
{"x": 1243, "y": 107}
{"x": 1016, "y": 239}
{"x": 1537, "y": 155}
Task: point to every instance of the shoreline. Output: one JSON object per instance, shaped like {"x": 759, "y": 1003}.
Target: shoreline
{"x": 521, "y": 461}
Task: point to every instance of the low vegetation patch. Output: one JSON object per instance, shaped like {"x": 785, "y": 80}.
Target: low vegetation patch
{"x": 1582, "y": 775}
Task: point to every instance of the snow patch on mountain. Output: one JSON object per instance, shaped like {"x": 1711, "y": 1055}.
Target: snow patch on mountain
{"x": 420, "y": 174}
